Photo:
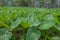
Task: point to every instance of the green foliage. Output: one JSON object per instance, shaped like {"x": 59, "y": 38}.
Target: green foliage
{"x": 29, "y": 23}
{"x": 55, "y": 38}
{"x": 5, "y": 34}
{"x": 48, "y": 22}
{"x": 32, "y": 34}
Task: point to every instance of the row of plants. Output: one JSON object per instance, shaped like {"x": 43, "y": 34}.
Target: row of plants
{"x": 18, "y": 23}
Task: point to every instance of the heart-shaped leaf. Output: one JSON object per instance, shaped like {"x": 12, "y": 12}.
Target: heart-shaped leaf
{"x": 5, "y": 34}
{"x": 33, "y": 34}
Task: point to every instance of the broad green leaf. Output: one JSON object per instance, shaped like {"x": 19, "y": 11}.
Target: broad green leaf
{"x": 5, "y": 34}
{"x": 36, "y": 22}
{"x": 48, "y": 22}
{"x": 46, "y": 25}
{"x": 33, "y": 34}
{"x": 16, "y": 23}
{"x": 49, "y": 17}
{"x": 33, "y": 19}
{"x": 55, "y": 38}
{"x": 57, "y": 27}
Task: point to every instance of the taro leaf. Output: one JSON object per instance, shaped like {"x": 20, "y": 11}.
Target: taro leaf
{"x": 48, "y": 22}
{"x": 46, "y": 25}
{"x": 57, "y": 27}
{"x": 5, "y": 34}
{"x": 49, "y": 17}
{"x": 55, "y": 38}
{"x": 33, "y": 34}
{"x": 36, "y": 22}
{"x": 33, "y": 19}
{"x": 16, "y": 23}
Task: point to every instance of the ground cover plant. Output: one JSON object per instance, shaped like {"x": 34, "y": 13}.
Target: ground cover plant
{"x": 18, "y": 23}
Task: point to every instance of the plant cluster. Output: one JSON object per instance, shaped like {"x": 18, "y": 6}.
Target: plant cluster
{"x": 18, "y": 23}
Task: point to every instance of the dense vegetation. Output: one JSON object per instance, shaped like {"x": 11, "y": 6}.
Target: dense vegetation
{"x": 29, "y": 24}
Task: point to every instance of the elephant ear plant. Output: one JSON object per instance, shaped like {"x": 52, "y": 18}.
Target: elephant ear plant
{"x": 29, "y": 24}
